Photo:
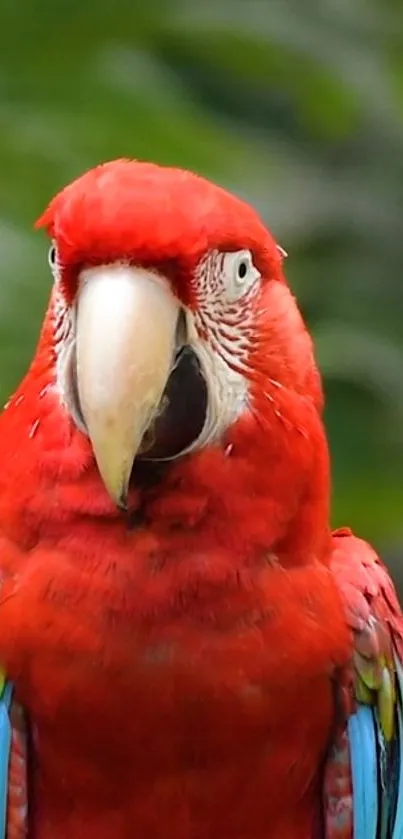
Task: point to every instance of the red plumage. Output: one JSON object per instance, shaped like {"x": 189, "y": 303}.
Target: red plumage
{"x": 178, "y": 674}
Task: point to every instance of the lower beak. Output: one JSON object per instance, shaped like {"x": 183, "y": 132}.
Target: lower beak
{"x": 125, "y": 343}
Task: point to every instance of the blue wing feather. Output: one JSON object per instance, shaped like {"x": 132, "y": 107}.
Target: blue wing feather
{"x": 5, "y": 750}
{"x": 364, "y": 772}
{"x": 398, "y": 820}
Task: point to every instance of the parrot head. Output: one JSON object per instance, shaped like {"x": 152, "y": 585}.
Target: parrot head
{"x": 173, "y": 329}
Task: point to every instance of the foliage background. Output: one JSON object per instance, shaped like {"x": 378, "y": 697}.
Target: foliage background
{"x": 297, "y": 106}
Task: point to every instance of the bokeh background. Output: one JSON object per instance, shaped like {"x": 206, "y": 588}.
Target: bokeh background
{"x": 296, "y": 106}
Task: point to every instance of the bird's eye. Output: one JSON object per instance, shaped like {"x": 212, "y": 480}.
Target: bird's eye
{"x": 52, "y": 256}
{"x": 240, "y": 273}
{"x": 242, "y": 269}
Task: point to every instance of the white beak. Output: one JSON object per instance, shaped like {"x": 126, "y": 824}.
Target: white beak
{"x": 126, "y": 328}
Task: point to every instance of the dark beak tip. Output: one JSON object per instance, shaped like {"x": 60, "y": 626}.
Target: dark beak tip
{"x": 122, "y": 502}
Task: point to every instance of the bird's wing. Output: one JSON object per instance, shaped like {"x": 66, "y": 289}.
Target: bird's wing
{"x": 13, "y": 766}
{"x": 363, "y": 784}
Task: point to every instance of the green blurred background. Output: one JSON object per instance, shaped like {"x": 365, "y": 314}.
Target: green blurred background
{"x": 297, "y": 106}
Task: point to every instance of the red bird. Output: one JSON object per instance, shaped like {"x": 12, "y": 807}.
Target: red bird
{"x": 197, "y": 656}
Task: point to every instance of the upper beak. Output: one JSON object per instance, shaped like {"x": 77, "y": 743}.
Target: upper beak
{"x": 125, "y": 343}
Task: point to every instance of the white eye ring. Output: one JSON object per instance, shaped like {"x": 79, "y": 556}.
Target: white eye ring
{"x": 241, "y": 274}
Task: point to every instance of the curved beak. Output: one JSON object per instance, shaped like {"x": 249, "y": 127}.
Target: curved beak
{"x": 125, "y": 343}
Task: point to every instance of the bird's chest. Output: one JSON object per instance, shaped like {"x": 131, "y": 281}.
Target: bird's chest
{"x": 181, "y": 736}
{"x": 196, "y": 695}
{"x": 169, "y": 671}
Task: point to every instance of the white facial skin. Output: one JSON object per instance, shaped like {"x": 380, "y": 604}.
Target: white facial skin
{"x": 119, "y": 341}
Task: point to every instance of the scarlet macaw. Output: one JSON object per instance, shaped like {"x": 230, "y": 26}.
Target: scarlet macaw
{"x": 196, "y": 655}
